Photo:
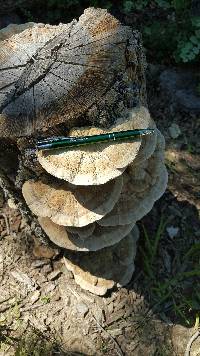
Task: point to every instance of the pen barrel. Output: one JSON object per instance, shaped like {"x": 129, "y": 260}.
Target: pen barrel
{"x": 85, "y": 140}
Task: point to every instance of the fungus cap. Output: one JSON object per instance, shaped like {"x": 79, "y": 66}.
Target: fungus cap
{"x": 97, "y": 163}
{"x": 99, "y": 271}
{"x": 143, "y": 185}
{"x": 70, "y": 205}
{"x": 148, "y": 145}
{"x": 83, "y": 232}
{"x": 103, "y": 236}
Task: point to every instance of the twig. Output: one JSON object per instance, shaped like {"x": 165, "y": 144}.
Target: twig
{"x": 32, "y": 307}
{"x": 119, "y": 351}
{"x": 192, "y": 339}
{"x": 74, "y": 293}
{"x": 5, "y": 300}
{"x": 3, "y": 308}
{"x": 79, "y": 295}
{"x": 7, "y": 223}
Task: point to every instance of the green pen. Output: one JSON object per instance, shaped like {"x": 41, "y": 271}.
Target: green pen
{"x": 68, "y": 142}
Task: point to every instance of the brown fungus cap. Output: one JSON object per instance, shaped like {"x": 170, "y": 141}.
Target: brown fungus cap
{"x": 103, "y": 236}
{"x": 143, "y": 185}
{"x": 69, "y": 205}
{"x": 102, "y": 270}
{"x": 97, "y": 163}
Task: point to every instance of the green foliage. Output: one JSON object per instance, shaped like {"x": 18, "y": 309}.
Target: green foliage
{"x": 163, "y": 4}
{"x": 128, "y": 5}
{"x": 176, "y": 37}
{"x": 188, "y": 43}
{"x": 159, "y": 40}
{"x": 171, "y": 32}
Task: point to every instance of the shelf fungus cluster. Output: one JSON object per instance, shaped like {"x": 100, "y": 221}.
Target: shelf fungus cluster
{"x": 91, "y": 197}
{"x": 84, "y": 78}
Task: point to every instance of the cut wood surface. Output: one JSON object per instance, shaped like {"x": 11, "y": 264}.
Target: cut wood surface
{"x": 54, "y": 74}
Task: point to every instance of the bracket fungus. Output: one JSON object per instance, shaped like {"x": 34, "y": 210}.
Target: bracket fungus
{"x": 143, "y": 185}
{"x": 102, "y": 236}
{"x": 96, "y": 164}
{"x": 102, "y": 270}
{"x": 83, "y": 78}
{"x": 83, "y": 231}
{"x": 69, "y": 205}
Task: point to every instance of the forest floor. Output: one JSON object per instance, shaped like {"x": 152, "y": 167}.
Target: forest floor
{"x": 43, "y": 311}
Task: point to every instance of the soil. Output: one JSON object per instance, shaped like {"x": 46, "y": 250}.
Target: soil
{"x": 39, "y": 299}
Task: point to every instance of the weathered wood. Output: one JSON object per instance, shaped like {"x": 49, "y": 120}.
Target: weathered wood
{"x": 93, "y": 69}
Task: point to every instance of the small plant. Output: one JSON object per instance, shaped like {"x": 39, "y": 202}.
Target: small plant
{"x": 16, "y": 310}
{"x": 190, "y": 148}
{"x": 104, "y": 348}
{"x": 34, "y": 344}
{"x": 170, "y": 292}
{"x": 151, "y": 247}
{"x": 46, "y": 299}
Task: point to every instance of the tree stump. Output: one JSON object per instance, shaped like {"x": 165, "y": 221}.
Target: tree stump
{"x": 82, "y": 78}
